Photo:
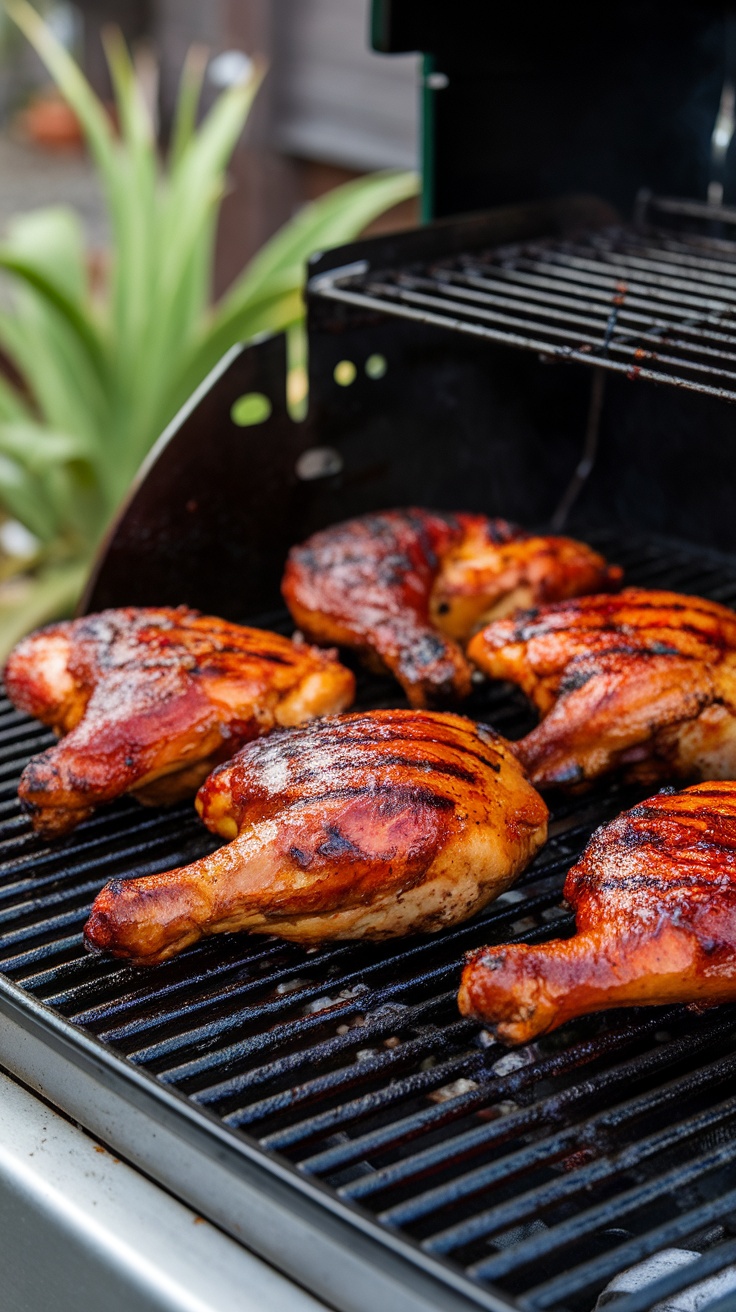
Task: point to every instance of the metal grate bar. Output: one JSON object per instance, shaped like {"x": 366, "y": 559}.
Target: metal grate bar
{"x": 527, "y": 300}
{"x": 536, "y": 1154}
{"x": 421, "y": 1082}
{"x": 620, "y": 345}
{"x": 552, "y": 1292}
{"x": 612, "y": 1212}
{"x": 633, "y": 301}
{"x": 658, "y": 1290}
{"x": 329, "y": 1049}
{"x": 494, "y": 1089}
{"x": 498, "y": 1218}
{"x": 274, "y": 1007}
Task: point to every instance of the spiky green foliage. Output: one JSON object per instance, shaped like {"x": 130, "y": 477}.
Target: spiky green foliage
{"x": 103, "y": 375}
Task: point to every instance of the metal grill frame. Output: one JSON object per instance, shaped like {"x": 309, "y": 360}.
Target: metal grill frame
{"x": 323, "y": 1239}
{"x": 645, "y": 301}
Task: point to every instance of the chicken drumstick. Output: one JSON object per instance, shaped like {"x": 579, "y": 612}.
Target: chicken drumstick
{"x": 655, "y": 901}
{"x": 644, "y": 681}
{"x": 406, "y": 587}
{"x": 359, "y": 826}
{"x": 150, "y": 700}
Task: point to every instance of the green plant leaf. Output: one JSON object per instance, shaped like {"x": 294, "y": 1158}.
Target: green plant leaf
{"x": 36, "y": 447}
{"x": 78, "y": 321}
{"x": 187, "y": 103}
{"x": 337, "y": 217}
{"x": 104, "y": 374}
{"x": 50, "y": 595}
{"x": 12, "y": 404}
{"x": 274, "y": 311}
{"x": 67, "y": 389}
{"x": 45, "y": 249}
{"x": 52, "y": 240}
{"x": 22, "y": 495}
{"x": 135, "y": 121}
{"x": 197, "y": 181}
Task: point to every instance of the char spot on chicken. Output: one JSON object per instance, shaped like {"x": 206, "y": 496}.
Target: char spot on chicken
{"x": 643, "y": 682}
{"x": 408, "y": 588}
{"x": 655, "y": 900}
{"x": 149, "y": 700}
{"x": 370, "y": 826}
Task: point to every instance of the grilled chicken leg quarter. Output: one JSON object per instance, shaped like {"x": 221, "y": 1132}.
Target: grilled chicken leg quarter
{"x": 655, "y": 901}
{"x": 408, "y": 587}
{"x": 643, "y": 681}
{"x": 359, "y": 826}
{"x": 150, "y": 700}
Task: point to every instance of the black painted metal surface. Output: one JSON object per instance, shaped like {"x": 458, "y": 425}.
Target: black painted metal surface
{"x": 538, "y": 1173}
{"x": 523, "y": 102}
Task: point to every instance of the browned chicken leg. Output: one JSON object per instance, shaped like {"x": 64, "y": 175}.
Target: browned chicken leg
{"x": 406, "y": 587}
{"x": 150, "y": 700}
{"x": 655, "y": 901}
{"x": 360, "y": 826}
{"x": 643, "y": 681}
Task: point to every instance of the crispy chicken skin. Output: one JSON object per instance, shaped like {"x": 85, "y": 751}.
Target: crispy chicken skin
{"x": 359, "y": 826}
{"x": 655, "y": 901}
{"x": 408, "y": 587}
{"x": 149, "y": 700}
{"x": 643, "y": 681}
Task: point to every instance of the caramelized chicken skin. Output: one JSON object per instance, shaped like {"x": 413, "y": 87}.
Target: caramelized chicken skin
{"x": 643, "y": 681}
{"x": 407, "y": 587}
{"x": 150, "y": 700}
{"x": 655, "y": 901}
{"x": 359, "y": 826}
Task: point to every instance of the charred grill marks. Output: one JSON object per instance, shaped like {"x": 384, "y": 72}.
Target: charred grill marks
{"x": 378, "y": 825}
{"x": 642, "y": 681}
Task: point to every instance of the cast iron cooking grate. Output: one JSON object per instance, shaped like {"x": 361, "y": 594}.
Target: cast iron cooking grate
{"x": 644, "y": 301}
{"x": 538, "y": 1173}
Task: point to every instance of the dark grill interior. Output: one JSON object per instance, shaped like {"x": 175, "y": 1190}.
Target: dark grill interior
{"x": 645, "y": 302}
{"x": 541, "y": 1172}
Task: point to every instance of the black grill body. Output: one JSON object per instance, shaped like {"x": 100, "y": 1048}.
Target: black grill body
{"x": 530, "y": 101}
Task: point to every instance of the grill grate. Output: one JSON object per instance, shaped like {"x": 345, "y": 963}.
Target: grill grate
{"x": 538, "y": 1173}
{"x": 640, "y": 301}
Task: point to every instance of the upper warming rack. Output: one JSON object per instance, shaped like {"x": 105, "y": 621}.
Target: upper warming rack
{"x": 647, "y": 301}
{"x": 346, "y": 1077}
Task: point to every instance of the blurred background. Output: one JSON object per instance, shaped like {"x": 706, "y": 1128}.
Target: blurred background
{"x": 166, "y": 169}
{"x": 329, "y": 110}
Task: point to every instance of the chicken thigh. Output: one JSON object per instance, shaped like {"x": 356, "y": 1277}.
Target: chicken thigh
{"x": 149, "y": 700}
{"x": 408, "y": 587}
{"x": 359, "y": 826}
{"x": 655, "y": 901}
{"x": 642, "y": 681}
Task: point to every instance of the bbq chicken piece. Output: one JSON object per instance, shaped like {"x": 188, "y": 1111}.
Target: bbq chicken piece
{"x": 408, "y": 587}
{"x": 358, "y": 826}
{"x": 642, "y": 681}
{"x": 655, "y": 901}
{"x": 150, "y": 700}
